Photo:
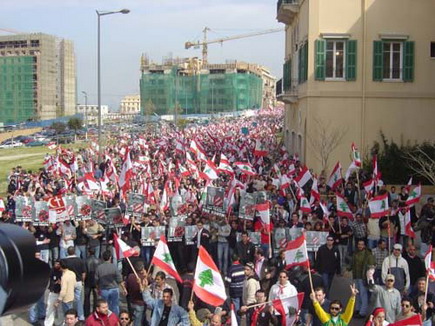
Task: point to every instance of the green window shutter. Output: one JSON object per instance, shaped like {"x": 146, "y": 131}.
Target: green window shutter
{"x": 319, "y": 48}
{"x": 378, "y": 61}
{"x": 351, "y": 60}
{"x": 306, "y": 62}
{"x": 300, "y": 65}
{"x": 408, "y": 61}
{"x": 287, "y": 75}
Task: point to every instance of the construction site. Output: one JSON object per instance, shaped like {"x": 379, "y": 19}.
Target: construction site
{"x": 195, "y": 86}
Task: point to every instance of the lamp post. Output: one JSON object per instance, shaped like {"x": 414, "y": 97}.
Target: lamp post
{"x": 99, "y": 14}
{"x": 86, "y": 114}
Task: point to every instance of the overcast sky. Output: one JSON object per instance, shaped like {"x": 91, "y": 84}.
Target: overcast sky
{"x": 156, "y": 27}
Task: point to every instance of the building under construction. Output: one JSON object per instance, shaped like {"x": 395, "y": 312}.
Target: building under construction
{"x": 190, "y": 87}
{"x": 37, "y": 77}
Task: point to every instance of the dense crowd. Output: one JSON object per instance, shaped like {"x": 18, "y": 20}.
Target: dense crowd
{"x": 173, "y": 169}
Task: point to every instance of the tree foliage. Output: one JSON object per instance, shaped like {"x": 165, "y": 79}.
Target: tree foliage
{"x": 75, "y": 124}
{"x": 58, "y": 127}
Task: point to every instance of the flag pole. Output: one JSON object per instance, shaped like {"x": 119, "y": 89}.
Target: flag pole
{"x": 132, "y": 268}
{"x": 427, "y": 287}
{"x": 309, "y": 266}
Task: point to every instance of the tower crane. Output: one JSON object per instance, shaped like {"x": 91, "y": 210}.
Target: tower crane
{"x": 11, "y": 31}
{"x": 205, "y": 42}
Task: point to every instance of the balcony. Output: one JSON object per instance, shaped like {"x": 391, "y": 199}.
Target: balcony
{"x": 287, "y": 93}
{"x": 287, "y": 11}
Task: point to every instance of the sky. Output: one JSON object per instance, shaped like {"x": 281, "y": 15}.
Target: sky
{"x": 156, "y": 27}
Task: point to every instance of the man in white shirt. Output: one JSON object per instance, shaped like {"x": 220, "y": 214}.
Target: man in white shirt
{"x": 67, "y": 234}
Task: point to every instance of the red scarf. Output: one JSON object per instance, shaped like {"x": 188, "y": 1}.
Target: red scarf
{"x": 255, "y": 314}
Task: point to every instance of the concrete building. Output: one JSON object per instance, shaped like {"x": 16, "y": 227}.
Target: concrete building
{"x": 37, "y": 77}
{"x": 130, "y": 104}
{"x": 92, "y": 110}
{"x": 359, "y": 67}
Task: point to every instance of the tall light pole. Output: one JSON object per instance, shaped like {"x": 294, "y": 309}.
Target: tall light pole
{"x": 99, "y": 14}
{"x": 86, "y": 114}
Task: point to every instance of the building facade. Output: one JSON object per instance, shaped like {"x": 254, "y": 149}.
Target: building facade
{"x": 196, "y": 88}
{"x": 359, "y": 67}
{"x": 37, "y": 77}
{"x": 130, "y": 104}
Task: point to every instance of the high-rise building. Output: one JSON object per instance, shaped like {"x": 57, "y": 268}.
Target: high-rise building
{"x": 196, "y": 88}
{"x": 359, "y": 68}
{"x": 37, "y": 77}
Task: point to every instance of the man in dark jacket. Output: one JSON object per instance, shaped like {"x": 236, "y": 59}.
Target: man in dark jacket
{"x": 328, "y": 262}
{"x": 260, "y": 315}
{"x": 245, "y": 249}
{"x": 236, "y": 278}
{"x": 91, "y": 264}
{"x": 415, "y": 264}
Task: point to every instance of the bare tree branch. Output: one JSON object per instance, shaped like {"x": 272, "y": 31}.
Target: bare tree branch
{"x": 421, "y": 163}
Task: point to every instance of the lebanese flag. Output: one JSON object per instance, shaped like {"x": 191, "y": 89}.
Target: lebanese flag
{"x": 122, "y": 249}
{"x": 342, "y": 207}
{"x": 2, "y": 205}
{"x": 379, "y": 206}
{"x": 376, "y": 173}
{"x": 164, "y": 202}
{"x": 408, "y": 227}
{"x": 315, "y": 194}
{"x": 285, "y": 181}
{"x": 208, "y": 284}
{"x": 183, "y": 171}
{"x": 245, "y": 168}
{"x": 408, "y": 186}
{"x": 356, "y": 156}
{"x": 296, "y": 253}
{"x": 368, "y": 187}
{"x": 264, "y": 211}
{"x": 126, "y": 172}
{"x": 303, "y": 177}
{"x": 351, "y": 169}
{"x": 325, "y": 210}
{"x": 335, "y": 179}
{"x": 224, "y": 165}
{"x": 163, "y": 259}
{"x": 90, "y": 181}
{"x": 288, "y": 308}
{"x": 414, "y": 196}
{"x": 196, "y": 148}
{"x": 305, "y": 205}
{"x": 411, "y": 321}
{"x": 260, "y": 149}
{"x": 210, "y": 171}
{"x": 52, "y": 145}
{"x": 233, "y": 316}
{"x": 430, "y": 265}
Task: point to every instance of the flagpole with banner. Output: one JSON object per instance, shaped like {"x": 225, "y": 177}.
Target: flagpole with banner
{"x": 309, "y": 269}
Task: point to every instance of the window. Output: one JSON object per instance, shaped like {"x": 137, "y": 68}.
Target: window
{"x": 335, "y": 59}
{"x": 432, "y": 50}
{"x": 393, "y": 60}
{"x": 392, "y": 55}
{"x": 303, "y": 63}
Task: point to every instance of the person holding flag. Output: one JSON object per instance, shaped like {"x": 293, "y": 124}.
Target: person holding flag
{"x": 260, "y": 313}
{"x": 335, "y": 316}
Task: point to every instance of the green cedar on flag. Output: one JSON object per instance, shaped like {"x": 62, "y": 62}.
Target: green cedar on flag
{"x": 379, "y": 206}
{"x": 296, "y": 253}
{"x": 163, "y": 259}
{"x": 245, "y": 168}
{"x": 305, "y": 205}
{"x": 208, "y": 283}
{"x": 356, "y": 157}
{"x": 343, "y": 209}
{"x": 335, "y": 179}
{"x": 414, "y": 196}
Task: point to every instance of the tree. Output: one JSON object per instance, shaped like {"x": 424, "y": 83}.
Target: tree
{"x": 421, "y": 162}
{"x": 149, "y": 109}
{"x": 58, "y": 127}
{"x": 75, "y": 124}
{"x": 325, "y": 140}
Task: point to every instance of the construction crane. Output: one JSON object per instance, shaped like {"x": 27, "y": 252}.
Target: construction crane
{"x": 205, "y": 42}
{"x": 11, "y": 31}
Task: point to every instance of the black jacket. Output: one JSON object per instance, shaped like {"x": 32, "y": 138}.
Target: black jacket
{"x": 328, "y": 260}
{"x": 245, "y": 252}
{"x": 92, "y": 263}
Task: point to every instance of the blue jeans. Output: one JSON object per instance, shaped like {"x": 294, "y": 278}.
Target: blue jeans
{"x": 223, "y": 257}
{"x": 37, "y": 311}
{"x": 265, "y": 248}
{"x": 139, "y": 314}
{"x": 372, "y": 243}
{"x": 78, "y": 300}
{"x": 237, "y": 302}
{"x": 54, "y": 255}
{"x": 146, "y": 254}
{"x": 362, "y": 299}
{"x": 67, "y": 305}
{"x": 112, "y": 298}
{"x": 63, "y": 253}
{"x": 81, "y": 251}
{"x": 327, "y": 281}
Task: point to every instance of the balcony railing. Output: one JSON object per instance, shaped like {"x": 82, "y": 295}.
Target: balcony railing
{"x": 287, "y": 11}
{"x": 289, "y": 94}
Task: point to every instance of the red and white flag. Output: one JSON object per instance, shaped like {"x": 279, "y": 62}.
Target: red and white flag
{"x": 233, "y": 316}
{"x": 122, "y": 249}
{"x": 342, "y": 207}
{"x": 196, "y": 148}
{"x": 414, "y": 196}
{"x": 245, "y": 168}
{"x": 356, "y": 156}
{"x": 335, "y": 179}
{"x": 52, "y": 145}
{"x": 183, "y": 171}
{"x": 411, "y": 321}
{"x": 408, "y": 227}
{"x": 289, "y": 308}
{"x": 208, "y": 284}
{"x": 210, "y": 171}
{"x": 163, "y": 259}
{"x": 325, "y": 210}
{"x": 430, "y": 265}
{"x": 408, "y": 186}
{"x": 303, "y": 177}
{"x": 264, "y": 212}
{"x": 351, "y": 169}
{"x": 296, "y": 253}
{"x": 368, "y": 188}
{"x": 315, "y": 194}
{"x": 260, "y": 149}
{"x": 379, "y": 206}
{"x": 224, "y": 165}
{"x": 2, "y": 205}
{"x": 126, "y": 172}
{"x": 376, "y": 173}
{"x": 304, "y": 205}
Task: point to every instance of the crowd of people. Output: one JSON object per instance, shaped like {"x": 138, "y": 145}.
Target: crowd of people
{"x": 90, "y": 284}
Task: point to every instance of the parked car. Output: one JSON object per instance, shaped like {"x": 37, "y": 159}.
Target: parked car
{"x": 37, "y": 143}
{"x": 12, "y": 144}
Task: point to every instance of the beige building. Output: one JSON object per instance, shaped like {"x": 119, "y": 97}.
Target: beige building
{"x": 130, "y": 104}
{"x": 358, "y": 67}
{"x": 37, "y": 77}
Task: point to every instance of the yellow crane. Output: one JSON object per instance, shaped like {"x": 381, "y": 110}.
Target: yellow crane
{"x": 204, "y": 43}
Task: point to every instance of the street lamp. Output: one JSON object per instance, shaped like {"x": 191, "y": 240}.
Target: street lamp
{"x": 99, "y": 14}
{"x": 86, "y": 114}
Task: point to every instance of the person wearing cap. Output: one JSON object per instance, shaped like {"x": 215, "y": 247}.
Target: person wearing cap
{"x": 384, "y": 296}
{"x": 328, "y": 262}
{"x": 377, "y": 318}
{"x": 395, "y": 264}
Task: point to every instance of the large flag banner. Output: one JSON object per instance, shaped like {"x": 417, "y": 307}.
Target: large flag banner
{"x": 296, "y": 253}
{"x": 414, "y": 196}
{"x": 430, "y": 265}
{"x": 411, "y": 321}
{"x": 122, "y": 249}
{"x": 409, "y": 231}
{"x": 379, "y": 206}
{"x": 303, "y": 177}
{"x": 288, "y": 308}
{"x": 335, "y": 179}
{"x": 260, "y": 149}
{"x": 163, "y": 259}
{"x": 304, "y": 205}
{"x": 208, "y": 283}
{"x": 343, "y": 209}
{"x": 264, "y": 212}
{"x": 245, "y": 168}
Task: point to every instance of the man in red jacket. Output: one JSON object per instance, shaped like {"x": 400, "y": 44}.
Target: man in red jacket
{"x": 102, "y": 316}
